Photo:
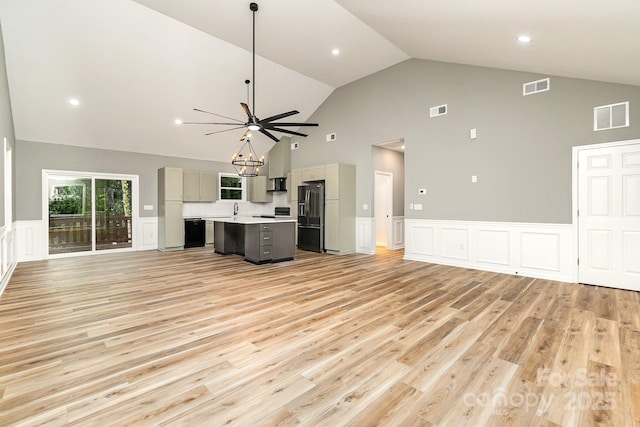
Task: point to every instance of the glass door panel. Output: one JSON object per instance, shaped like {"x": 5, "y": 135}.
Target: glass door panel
{"x": 70, "y": 214}
{"x": 113, "y": 214}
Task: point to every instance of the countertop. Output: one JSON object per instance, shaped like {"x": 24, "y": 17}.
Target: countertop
{"x": 248, "y": 219}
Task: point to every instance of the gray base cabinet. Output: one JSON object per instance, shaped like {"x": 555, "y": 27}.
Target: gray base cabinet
{"x": 259, "y": 243}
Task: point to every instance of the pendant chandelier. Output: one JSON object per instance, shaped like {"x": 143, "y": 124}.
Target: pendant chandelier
{"x": 246, "y": 161}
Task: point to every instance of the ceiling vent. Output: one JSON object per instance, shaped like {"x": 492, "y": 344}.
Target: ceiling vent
{"x": 438, "y": 110}
{"x": 536, "y": 87}
{"x": 611, "y": 116}
{"x": 331, "y": 137}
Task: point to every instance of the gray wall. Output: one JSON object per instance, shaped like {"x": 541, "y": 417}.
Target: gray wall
{"x": 522, "y": 156}
{"x": 386, "y": 160}
{"x": 6, "y": 127}
{"x": 32, "y": 157}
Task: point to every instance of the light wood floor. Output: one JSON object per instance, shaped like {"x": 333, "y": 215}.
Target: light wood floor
{"x": 193, "y": 338}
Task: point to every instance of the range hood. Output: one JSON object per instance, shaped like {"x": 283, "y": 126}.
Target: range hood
{"x": 278, "y": 184}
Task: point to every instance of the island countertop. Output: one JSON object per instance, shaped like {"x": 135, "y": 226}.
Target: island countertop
{"x": 248, "y": 220}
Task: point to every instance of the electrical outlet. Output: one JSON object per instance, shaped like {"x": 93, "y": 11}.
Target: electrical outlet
{"x": 473, "y": 133}
{"x": 148, "y": 207}
{"x": 365, "y": 207}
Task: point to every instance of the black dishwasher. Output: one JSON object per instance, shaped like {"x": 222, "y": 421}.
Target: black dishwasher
{"x": 194, "y": 232}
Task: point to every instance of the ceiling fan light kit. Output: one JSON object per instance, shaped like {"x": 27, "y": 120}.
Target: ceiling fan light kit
{"x": 253, "y": 123}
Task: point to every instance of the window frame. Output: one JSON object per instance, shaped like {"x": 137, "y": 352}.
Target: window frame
{"x": 242, "y": 188}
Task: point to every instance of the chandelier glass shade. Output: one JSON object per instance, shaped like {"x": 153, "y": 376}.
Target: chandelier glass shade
{"x": 246, "y": 161}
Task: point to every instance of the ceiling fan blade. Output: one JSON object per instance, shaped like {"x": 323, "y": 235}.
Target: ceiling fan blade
{"x": 291, "y": 124}
{"x": 270, "y": 135}
{"x": 287, "y": 131}
{"x": 279, "y": 116}
{"x": 246, "y": 109}
{"x": 209, "y": 123}
{"x": 246, "y": 135}
{"x": 226, "y": 130}
{"x": 219, "y": 115}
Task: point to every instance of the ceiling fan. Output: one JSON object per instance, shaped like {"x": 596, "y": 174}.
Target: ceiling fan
{"x": 253, "y": 123}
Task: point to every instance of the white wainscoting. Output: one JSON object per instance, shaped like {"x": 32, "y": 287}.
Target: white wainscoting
{"x": 147, "y": 233}
{"x": 31, "y": 242}
{"x": 536, "y": 250}
{"x": 397, "y": 233}
{"x": 366, "y": 234}
{"x": 7, "y": 255}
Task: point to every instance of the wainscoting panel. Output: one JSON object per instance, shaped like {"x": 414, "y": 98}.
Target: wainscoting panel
{"x": 7, "y": 255}
{"x": 365, "y": 233}
{"x": 30, "y": 240}
{"x": 534, "y": 250}
{"x": 397, "y": 227}
{"x": 147, "y": 233}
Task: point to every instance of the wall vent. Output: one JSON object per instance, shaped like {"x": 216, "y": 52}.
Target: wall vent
{"x": 331, "y": 137}
{"x": 438, "y": 110}
{"x": 611, "y": 116}
{"x": 536, "y": 87}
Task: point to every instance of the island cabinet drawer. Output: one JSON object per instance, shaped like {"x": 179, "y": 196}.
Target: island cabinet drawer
{"x": 265, "y": 227}
{"x": 266, "y": 237}
{"x": 264, "y": 254}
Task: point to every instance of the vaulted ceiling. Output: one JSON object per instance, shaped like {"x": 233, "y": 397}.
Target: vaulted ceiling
{"x": 136, "y": 66}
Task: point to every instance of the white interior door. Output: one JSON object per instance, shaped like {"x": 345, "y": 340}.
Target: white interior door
{"x": 609, "y": 216}
{"x": 383, "y": 207}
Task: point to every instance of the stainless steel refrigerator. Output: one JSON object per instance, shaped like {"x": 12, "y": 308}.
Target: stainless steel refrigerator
{"x": 311, "y": 217}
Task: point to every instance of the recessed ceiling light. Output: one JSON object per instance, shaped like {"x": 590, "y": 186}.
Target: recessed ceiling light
{"x": 524, "y": 39}
{"x": 74, "y": 102}
{"x": 336, "y": 51}
{"x": 177, "y": 121}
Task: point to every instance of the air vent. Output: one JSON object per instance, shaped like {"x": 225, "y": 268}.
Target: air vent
{"x": 536, "y": 87}
{"x": 331, "y": 137}
{"x": 611, "y": 116}
{"x": 439, "y": 110}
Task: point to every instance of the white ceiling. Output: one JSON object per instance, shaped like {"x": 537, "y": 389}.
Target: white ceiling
{"x": 136, "y": 66}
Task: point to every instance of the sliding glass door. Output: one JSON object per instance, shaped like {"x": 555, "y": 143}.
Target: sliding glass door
{"x": 70, "y": 214}
{"x": 113, "y": 214}
{"x": 89, "y": 213}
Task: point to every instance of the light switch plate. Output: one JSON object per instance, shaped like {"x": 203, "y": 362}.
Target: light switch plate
{"x": 417, "y": 206}
{"x": 473, "y": 133}
{"x": 474, "y": 178}
{"x": 148, "y": 207}
{"x": 410, "y": 205}
{"x": 365, "y": 207}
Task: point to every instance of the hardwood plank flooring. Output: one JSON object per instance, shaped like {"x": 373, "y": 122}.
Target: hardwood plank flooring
{"x": 194, "y": 338}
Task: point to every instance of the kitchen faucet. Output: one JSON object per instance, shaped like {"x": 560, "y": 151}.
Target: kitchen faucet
{"x": 235, "y": 208}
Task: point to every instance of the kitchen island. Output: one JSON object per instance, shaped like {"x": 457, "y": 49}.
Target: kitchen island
{"x": 259, "y": 240}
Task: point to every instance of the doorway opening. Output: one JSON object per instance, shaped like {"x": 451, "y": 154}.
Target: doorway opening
{"x": 388, "y": 195}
